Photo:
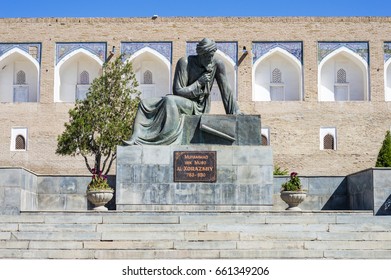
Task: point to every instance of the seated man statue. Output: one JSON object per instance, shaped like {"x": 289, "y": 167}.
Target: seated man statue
{"x": 159, "y": 121}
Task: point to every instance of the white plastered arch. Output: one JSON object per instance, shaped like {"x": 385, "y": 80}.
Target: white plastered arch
{"x": 387, "y": 80}
{"x": 152, "y": 51}
{"x": 57, "y": 69}
{"x": 231, "y": 72}
{"x": 162, "y": 85}
{"x": 19, "y": 51}
{"x": 286, "y": 55}
{"x": 15, "y": 51}
{"x": 355, "y": 58}
{"x": 227, "y": 58}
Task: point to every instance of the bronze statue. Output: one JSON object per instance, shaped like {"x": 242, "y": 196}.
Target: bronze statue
{"x": 159, "y": 121}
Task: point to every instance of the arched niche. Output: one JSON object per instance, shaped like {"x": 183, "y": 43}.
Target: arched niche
{"x": 387, "y": 80}
{"x": 70, "y": 73}
{"x": 230, "y": 69}
{"x": 277, "y": 76}
{"x": 343, "y": 76}
{"x": 13, "y": 89}
{"x": 153, "y": 72}
{"x": 328, "y": 138}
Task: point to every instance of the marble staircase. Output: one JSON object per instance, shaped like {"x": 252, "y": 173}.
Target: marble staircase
{"x": 195, "y": 235}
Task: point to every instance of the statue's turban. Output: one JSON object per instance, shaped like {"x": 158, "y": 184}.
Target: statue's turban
{"x": 206, "y": 46}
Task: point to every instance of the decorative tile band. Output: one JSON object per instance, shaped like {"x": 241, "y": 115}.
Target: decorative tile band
{"x": 261, "y": 48}
{"x": 228, "y": 48}
{"x": 32, "y": 49}
{"x": 63, "y": 49}
{"x": 325, "y": 48}
{"x": 164, "y": 48}
{"x": 387, "y": 51}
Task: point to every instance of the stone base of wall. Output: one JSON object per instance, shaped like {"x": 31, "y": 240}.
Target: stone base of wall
{"x": 371, "y": 190}
{"x": 21, "y": 191}
{"x": 145, "y": 179}
{"x": 18, "y": 191}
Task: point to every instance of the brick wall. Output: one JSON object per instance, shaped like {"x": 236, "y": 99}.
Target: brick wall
{"x": 294, "y": 125}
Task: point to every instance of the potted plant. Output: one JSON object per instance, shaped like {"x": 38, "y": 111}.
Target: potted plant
{"x": 292, "y": 192}
{"x": 99, "y": 192}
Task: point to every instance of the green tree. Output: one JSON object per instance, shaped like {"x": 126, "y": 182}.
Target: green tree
{"x": 100, "y": 122}
{"x": 384, "y": 156}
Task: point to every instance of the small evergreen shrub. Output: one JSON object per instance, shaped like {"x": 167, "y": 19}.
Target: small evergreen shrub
{"x": 384, "y": 156}
{"x": 279, "y": 171}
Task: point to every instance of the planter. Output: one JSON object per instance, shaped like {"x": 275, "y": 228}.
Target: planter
{"x": 293, "y": 199}
{"x": 100, "y": 199}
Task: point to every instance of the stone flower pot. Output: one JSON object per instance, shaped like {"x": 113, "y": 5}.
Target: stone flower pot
{"x": 100, "y": 199}
{"x": 293, "y": 199}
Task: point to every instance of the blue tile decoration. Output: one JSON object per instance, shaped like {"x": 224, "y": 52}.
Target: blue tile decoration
{"x": 5, "y": 47}
{"x": 164, "y": 48}
{"x": 325, "y": 48}
{"x": 228, "y": 48}
{"x": 98, "y": 49}
{"x": 261, "y": 48}
{"x": 387, "y": 51}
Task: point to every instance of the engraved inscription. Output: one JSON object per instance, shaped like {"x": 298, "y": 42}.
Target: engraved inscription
{"x": 195, "y": 166}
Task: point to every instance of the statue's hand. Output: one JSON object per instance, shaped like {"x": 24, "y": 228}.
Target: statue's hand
{"x": 205, "y": 78}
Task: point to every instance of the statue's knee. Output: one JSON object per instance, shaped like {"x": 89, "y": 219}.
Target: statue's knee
{"x": 169, "y": 100}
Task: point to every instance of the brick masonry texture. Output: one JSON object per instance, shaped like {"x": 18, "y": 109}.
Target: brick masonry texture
{"x": 294, "y": 125}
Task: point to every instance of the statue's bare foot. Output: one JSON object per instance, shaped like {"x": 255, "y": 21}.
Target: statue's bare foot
{"x": 238, "y": 112}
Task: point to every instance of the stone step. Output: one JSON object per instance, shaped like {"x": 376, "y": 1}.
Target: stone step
{"x": 150, "y": 227}
{"x": 194, "y": 254}
{"x": 57, "y": 227}
{"x": 348, "y": 245}
{"x": 283, "y": 236}
{"x": 46, "y": 254}
{"x": 55, "y": 236}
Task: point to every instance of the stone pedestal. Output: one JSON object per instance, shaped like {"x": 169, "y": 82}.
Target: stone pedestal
{"x": 146, "y": 178}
